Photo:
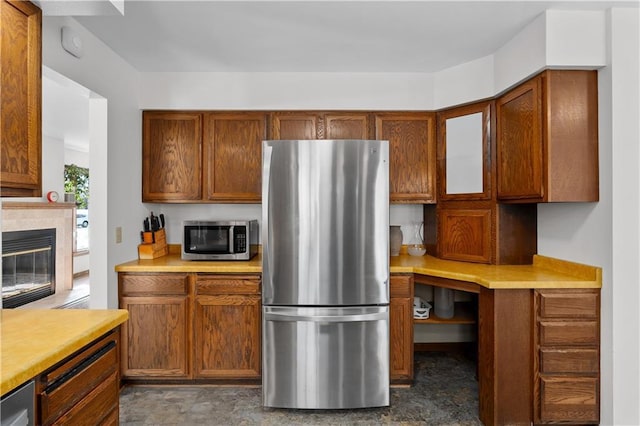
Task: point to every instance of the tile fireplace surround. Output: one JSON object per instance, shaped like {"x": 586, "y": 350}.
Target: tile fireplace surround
{"x": 21, "y": 216}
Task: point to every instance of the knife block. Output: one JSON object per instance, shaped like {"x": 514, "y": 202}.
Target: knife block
{"x": 154, "y": 250}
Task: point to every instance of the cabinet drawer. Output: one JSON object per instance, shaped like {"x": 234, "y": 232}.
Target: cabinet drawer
{"x": 571, "y": 400}
{"x": 400, "y": 286}
{"x": 569, "y": 361}
{"x": 95, "y": 408}
{"x": 141, "y": 284}
{"x": 568, "y": 304}
{"x": 78, "y": 379}
{"x": 228, "y": 284}
{"x": 569, "y": 333}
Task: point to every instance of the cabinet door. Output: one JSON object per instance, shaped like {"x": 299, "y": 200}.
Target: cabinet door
{"x": 21, "y": 100}
{"x": 465, "y": 234}
{"x": 411, "y": 139}
{"x": 156, "y": 340}
{"x": 401, "y": 329}
{"x": 519, "y": 140}
{"x": 346, "y": 126}
{"x": 227, "y": 336}
{"x": 171, "y": 156}
{"x": 464, "y": 152}
{"x": 233, "y": 156}
{"x": 294, "y": 126}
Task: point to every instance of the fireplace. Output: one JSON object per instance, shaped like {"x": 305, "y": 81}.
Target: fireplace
{"x": 28, "y": 266}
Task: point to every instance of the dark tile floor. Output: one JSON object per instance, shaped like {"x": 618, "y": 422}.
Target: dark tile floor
{"x": 445, "y": 393}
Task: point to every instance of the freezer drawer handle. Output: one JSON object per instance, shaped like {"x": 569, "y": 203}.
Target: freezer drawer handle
{"x": 274, "y": 316}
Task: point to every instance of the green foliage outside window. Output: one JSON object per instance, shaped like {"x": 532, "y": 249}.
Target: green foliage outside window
{"x": 76, "y": 181}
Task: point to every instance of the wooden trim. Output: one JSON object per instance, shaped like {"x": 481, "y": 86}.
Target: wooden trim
{"x": 447, "y": 283}
{"x": 505, "y": 351}
{"x": 36, "y": 205}
{"x": 80, "y": 274}
{"x": 466, "y": 347}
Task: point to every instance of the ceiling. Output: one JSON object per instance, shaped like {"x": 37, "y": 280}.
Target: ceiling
{"x": 292, "y": 36}
{"x": 315, "y": 36}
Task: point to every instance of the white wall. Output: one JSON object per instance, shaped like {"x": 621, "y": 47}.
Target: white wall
{"x": 53, "y": 167}
{"x": 77, "y": 157}
{"x": 118, "y": 156}
{"x": 625, "y": 136}
{"x": 282, "y": 90}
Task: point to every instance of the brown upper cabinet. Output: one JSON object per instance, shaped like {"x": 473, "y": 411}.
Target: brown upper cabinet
{"x": 171, "y": 156}
{"x": 536, "y": 143}
{"x": 547, "y": 139}
{"x": 194, "y": 157}
{"x": 464, "y": 152}
{"x": 233, "y": 156}
{"x": 320, "y": 125}
{"x": 21, "y": 100}
{"x": 412, "y": 154}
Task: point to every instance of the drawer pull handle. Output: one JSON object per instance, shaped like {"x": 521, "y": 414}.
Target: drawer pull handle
{"x": 77, "y": 369}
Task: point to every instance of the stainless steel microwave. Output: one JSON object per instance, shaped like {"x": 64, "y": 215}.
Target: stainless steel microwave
{"x": 219, "y": 240}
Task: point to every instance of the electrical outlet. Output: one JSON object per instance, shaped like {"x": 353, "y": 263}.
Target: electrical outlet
{"x": 118, "y": 234}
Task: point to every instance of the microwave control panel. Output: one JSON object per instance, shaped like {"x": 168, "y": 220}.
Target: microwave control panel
{"x": 239, "y": 239}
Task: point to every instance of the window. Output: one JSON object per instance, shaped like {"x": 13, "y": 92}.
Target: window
{"x": 76, "y": 181}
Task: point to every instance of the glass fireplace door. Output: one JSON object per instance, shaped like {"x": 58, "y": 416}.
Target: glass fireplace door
{"x": 28, "y": 266}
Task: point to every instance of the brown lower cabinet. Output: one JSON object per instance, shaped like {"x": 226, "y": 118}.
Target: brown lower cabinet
{"x": 227, "y": 339}
{"x": 567, "y": 356}
{"x": 539, "y": 356}
{"x": 83, "y": 389}
{"x": 538, "y": 350}
{"x": 156, "y": 340}
{"x": 190, "y": 327}
{"x": 401, "y": 329}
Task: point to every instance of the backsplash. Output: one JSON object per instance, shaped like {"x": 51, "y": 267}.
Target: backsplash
{"x": 405, "y": 215}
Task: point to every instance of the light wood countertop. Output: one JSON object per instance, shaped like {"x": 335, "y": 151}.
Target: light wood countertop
{"x": 173, "y": 263}
{"x": 545, "y": 272}
{"x": 33, "y": 340}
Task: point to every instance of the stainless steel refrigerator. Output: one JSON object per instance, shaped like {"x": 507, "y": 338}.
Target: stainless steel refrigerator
{"x": 325, "y": 274}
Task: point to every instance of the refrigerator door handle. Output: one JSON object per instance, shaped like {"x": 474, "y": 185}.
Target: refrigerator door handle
{"x": 284, "y": 316}
{"x": 267, "y": 289}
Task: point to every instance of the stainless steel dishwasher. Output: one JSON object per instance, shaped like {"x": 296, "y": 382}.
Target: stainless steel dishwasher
{"x": 18, "y": 407}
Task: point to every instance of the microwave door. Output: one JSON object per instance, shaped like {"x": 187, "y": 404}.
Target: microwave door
{"x": 211, "y": 239}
